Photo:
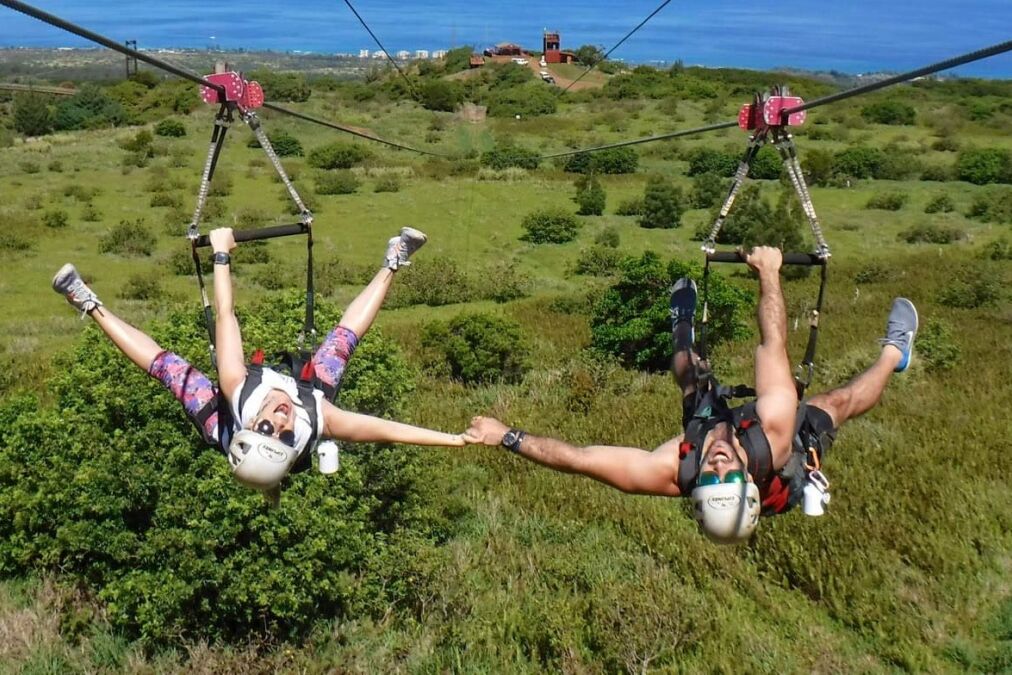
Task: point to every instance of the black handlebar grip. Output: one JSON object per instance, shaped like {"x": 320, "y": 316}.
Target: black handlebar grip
{"x": 259, "y": 233}
{"x": 804, "y": 259}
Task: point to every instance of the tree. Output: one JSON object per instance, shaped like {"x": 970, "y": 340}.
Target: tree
{"x": 984, "y": 165}
{"x": 889, "y": 112}
{"x": 550, "y": 226}
{"x": 662, "y": 204}
{"x": 31, "y": 115}
{"x": 441, "y": 95}
{"x": 590, "y": 196}
{"x": 589, "y": 55}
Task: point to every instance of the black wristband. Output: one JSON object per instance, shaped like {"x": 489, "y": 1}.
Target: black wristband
{"x": 512, "y": 439}
{"x": 222, "y": 258}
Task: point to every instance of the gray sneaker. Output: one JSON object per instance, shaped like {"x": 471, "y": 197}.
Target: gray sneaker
{"x": 68, "y": 283}
{"x": 400, "y": 248}
{"x": 901, "y": 330}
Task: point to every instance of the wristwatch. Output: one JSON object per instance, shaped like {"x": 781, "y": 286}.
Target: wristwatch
{"x": 512, "y": 439}
{"x": 222, "y": 258}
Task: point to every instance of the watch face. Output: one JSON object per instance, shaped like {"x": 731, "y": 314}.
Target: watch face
{"x": 509, "y": 439}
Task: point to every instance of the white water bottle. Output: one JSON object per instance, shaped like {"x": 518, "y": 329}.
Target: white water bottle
{"x": 327, "y": 453}
{"x": 816, "y": 494}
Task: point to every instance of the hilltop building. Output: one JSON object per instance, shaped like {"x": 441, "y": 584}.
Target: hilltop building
{"x": 552, "y": 47}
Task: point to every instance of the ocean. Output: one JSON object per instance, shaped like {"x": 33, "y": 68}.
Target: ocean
{"x": 854, "y": 36}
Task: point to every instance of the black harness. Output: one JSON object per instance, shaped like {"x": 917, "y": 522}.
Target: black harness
{"x": 712, "y": 408}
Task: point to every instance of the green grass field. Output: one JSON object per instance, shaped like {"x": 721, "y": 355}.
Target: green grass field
{"x": 909, "y": 570}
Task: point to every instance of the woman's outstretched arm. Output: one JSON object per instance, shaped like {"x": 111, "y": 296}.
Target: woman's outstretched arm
{"x": 227, "y": 337}
{"x": 343, "y": 425}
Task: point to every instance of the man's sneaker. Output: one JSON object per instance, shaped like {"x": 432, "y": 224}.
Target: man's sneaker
{"x": 400, "y": 248}
{"x": 68, "y": 282}
{"x": 901, "y": 329}
{"x": 683, "y": 301}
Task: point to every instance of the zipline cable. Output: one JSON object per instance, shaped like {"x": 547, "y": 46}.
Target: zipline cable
{"x": 91, "y": 36}
{"x": 358, "y": 16}
{"x": 987, "y": 52}
{"x": 62, "y": 24}
{"x": 647, "y": 139}
{"x": 616, "y": 46}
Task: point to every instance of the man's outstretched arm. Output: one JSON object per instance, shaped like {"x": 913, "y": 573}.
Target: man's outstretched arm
{"x": 776, "y": 395}
{"x": 628, "y": 469}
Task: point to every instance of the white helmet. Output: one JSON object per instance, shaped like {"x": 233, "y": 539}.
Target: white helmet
{"x": 259, "y": 461}
{"x": 727, "y": 512}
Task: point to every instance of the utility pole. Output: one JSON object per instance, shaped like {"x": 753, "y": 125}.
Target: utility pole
{"x": 131, "y": 61}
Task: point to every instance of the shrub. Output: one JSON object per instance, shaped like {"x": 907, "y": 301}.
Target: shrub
{"x": 170, "y": 199}
{"x": 506, "y": 156}
{"x": 889, "y": 112}
{"x": 284, "y": 144}
{"x": 876, "y": 272}
{"x": 14, "y": 243}
{"x": 56, "y": 220}
{"x": 529, "y": 100}
{"x": 550, "y": 226}
{"x": 597, "y": 261}
{"x": 940, "y": 204}
{"x": 707, "y": 160}
{"x": 336, "y": 183}
{"x": 972, "y": 287}
{"x": 662, "y": 204}
{"x": 56, "y": 166}
{"x": 170, "y": 128}
{"x": 608, "y": 237}
{"x": 89, "y": 108}
{"x": 501, "y": 282}
{"x": 936, "y": 346}
{"x": 982, "y": 166}
{"x": 945, "y": 144}
{"x": 610, "y": 161}
{"x": 632, "y": 320}
{"x": 630, "y": 207}
{"x": 221, "y": 184}
{"x": 478, "y": 348}
{"x": 819, "y": 167}
{"x": 31, "y": 114}
{"x": 140, "y": 142}
{"x": 444, "y": 95}
{"x": 141, "y": 287}
{"x": 999, "y": 249}
{"x": 29, "y": 166}
{"x": 753, "y": 222}
{"x": 80, "y": 193}
{"x": 148, "y": 520}
{"x": 708, "y": 190}
{"x": 90, "y": 214}
{"x": 387, "y": 184}
{"x": 438, "y": 282}
{"x": 766, "y": 165}
{"x": 282, "y": 86}
{"x": 131, "y": 238}
{"x": 858, "y": 162}
{"x": 887, "y": 201}
{"x": 932, "y": 234}
{"x": 338, "y": 156}
{"x": 994, "y": 206}
{"x": 252, "y": 253}
{"x": 590, "y": 196}
{"x": 135, "y": 159}
{"x": 937, "y": 173}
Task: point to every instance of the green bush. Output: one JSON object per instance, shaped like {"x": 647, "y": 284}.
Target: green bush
{"x": 170, "y": 199}
{"x": 755, "y": 222}
{"x": 444, "y": 95}
{"x": 858, "y": 162}
{"x": 941, "y": 203}
{"x": 662, "y": 204}
{"x": 982, "y": 166}
{"x": 338, "y": 156}
{"x": 529, "y": 100}
{"x": 597, "y": 261}
{"x": 707, "y": 160}
{"x": 610, "y": 161}
{"x": 89, "y": 108}
{"x": 994, "y": 206}
{"x": 876, "y": 272}
{"x": 887, "y": 201}
{"x": 12, "y": 242}
{"x": 972, "y": 287}
{"x": 284, "y": 144}
{"x": 31, "y": 114}
{"x": 56, "y": 166}
{"x": 80, "y": 193}
{"x": 999, "y": 249}
{"x": 936, "y": 345}
{"x": 550, "y": 226}
{"x": 336, "y": 183}
{"x": 170, "y": 128}
{"x": 766, "y": 165}
{"x": 932, "y": 234}
{"x": 279, "y": 87}
{"x": 937, "y": 173}
{"x": 590, "y": 196}
{"x": 139, "y": 142}
{"x": 608, "y": 237}
{"x": 387, "y": 184}
{"x": 29, "y": 166}
{"x": 630, "y": 207}
{"x": 143, "y": 517}
{"x": 501, "y": 282}
{"x": 439, "y": 281}
{"x": 130, "y": 238}
{"x": 478, "y": 348}
{"x": 506, "y": 156}
{"x": 889, "y": 112}
{"x": 632, "y": 320}
{"x": 141, "y": 287}
{"x": 819, "y": 167}
{"x": 278, "y": 276}
{"x": 55, "y": 220}
{"x": 221, "y": 184}
{"x": 90, "y": 213}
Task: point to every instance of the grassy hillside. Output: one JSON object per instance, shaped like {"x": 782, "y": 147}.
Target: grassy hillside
{"x": 532, "y": 570}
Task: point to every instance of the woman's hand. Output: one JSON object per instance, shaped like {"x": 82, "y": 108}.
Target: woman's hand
{"x": 222, "y": 240}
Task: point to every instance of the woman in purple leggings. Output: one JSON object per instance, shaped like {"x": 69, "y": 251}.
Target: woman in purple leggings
{"x": 271, "y": 418}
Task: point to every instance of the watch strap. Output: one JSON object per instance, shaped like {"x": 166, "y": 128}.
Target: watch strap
{"x": 222, "y": 258}
{"x": 512, "y": 439}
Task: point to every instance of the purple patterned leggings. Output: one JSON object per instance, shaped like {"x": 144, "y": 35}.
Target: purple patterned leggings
{"x": 194, "y": 390}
